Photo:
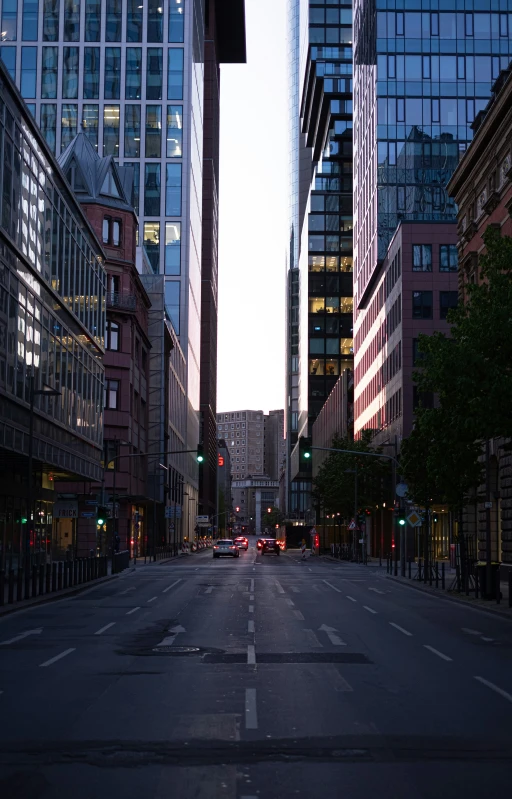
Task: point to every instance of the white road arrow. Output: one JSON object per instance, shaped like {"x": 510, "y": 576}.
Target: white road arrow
{"x": 330, "y": 632}
{"x": 170, "y": 639}
{"x": 21, "y": 636}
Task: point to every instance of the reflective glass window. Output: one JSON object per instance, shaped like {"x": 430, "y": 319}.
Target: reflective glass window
{"x": 113, "y": 16}
{"x": 172, "y": 248}
{"x": 422, "y": 257}
{"x": 92, "y": 20}
{"x": 151, "y": 241}
{"x": 112, "y": 73}
{"x": 91, "y": 73}
{"x": 50, "y": 62}
{"x": 116, "y": 233}
{"x": 49, "y": 124}
{"x": 153, "y": 131}
{"x": 9, "y": 20}
{"x": 68, "y": 124}
{"x": 105, "y": 230}
{"x": 447, "y": 301}
{"x": 90, "y": 118}
{"x": 155, "y": 21}
{"x": 8, "y": 56}
{"x": 111, "y": 130}
{"x": 136, "y": 183}
{"x": 175, "y": 74}
{"x": 28, "y": 71}
{"x": 176, "y": 20}
{"x": 152, "y": 190}
{"x": 51, "y": 20}
{"x": 70, "y": 73}
{"x": 173, "y": 190}
{"x": 174, "y": 147}
{"x": 154, "y": 73}
{"x": 133, "y": 81}
{"x": 71, "y": 20}
{"x": 112, "y": 336}
{"x": 132, "y": 131}
{"x": 422, "y": 305}
{"x": 172, "y": 302}
{"x": 134, "y": 21}
{"x": 448, "y": 258}
{"x": 29, "y": 21}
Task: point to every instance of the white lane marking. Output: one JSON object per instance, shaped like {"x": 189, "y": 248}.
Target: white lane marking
{"x": 469, "y": 631}
{"x": 56, "y": 658}
{"x": 251, "y": 598}
{"x": 401, "y": 629}
{"x": 487, "y": 639}
{"x": 351, "y": 598}
{"x": 251, "y": 655}
{"x": 340, "y": 684}
{"x": 377, "y": 591}
{"x": 209, "y": 589}
{"x": 290, "y": 602}
{"x": 251, "y": 715}
{"x": 106, "y": 627}
{"x": 250, "y": 626}
{"x": 133, "y": 610}
{"x": 370, "y": 610}
{"x": 298, "y": 615}
{"x": 331, "y": 635}
{"x": 251, "y": 588}
{"x": 295, "y": 589}
{"x": 309, "y": 570}
{"x": 152, "y": 599}
{"x": 312, "y": 639}
{"x": 495, "y": 688}
{"x": 436, "y": 652}
{"x": 171, "y": 586}
{"x": 126, "y": 590}
{"x": 21, "y": 636}
{"x": 251, "y": 608}
{"x": 332, "y": 586}
{"x": 279, "y": 587}
{"x": 170, "y": 639}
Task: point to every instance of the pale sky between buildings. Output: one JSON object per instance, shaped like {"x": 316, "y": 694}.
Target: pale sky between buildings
{"x": 253, "y": 215}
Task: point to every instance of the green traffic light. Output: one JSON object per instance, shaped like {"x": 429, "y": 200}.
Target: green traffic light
{"x": 200, "y": 458}
{"x": 101, "y": 522}
{"x": 401, "y": 521}
{"x": 307, "y": 455}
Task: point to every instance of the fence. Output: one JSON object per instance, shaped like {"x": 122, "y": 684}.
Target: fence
{"x": 168, "y": 551}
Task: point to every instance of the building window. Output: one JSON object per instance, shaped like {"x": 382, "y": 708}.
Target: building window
{"x": 112, "y": 336}
{"x": 9, "y": 20}
{"x": 49, "y": 124}
{"x": 106, "y": 230}
{"x": 49, "y": 73}
{"x": 151, "y": 238}
{"x": 28, "y": 71}
{"x": 175, "y": 74}
{"x": 174, "y": 131}
{"x": 154, "y": 73}
{"x": 173, "y": 190}
{"x": 176, "y": 20}
{"x": 29, "y": 20}
{"x": 91, "y": 73}
{"x": 112, "y": 73}
{"x": 135, "y": 165}
{"x": 172, "y": 248}
{"x": 111, "y": 130}
{"x": 422, "y": 257}
{"x": 111, "y": 394}
{"x": 70, "y": 73}
{"x": 116, "y": 233}
{"x": 50, "y": 20}
{"x": 422, "y": 305}
{"x": 92, "y": 20}
{"x": 154, "y": 135}
{"x": 134, "y": 21}
{"x": 133, "y": 77}
{"x": 8, "y": 56}
{"x": 448, "y": 258}
{"x": 172, "y": 302}
{"x": 132, "y": 131}
{"x": 71, "y": 20}
{"x": 152, "y": 190}
{"x": 447, "y": 301}
{"x": 90, "y": 123}
{"x": 113, "y": 21}
{"x": 155, "y": 21}
{"x": 69, "y": 125}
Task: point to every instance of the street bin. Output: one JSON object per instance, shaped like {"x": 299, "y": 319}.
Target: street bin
{"x": 488, "y": 592}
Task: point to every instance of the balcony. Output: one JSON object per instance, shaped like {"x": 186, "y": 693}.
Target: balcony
{"x": 121, "y": 301}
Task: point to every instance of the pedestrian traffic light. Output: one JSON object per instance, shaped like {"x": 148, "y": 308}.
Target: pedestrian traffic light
{"x": 304, "y": 449}
{"x": 200, "y": 454}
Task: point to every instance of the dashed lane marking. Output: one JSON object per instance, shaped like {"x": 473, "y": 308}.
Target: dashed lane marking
{"x": 56, "y": 658}
{"x": 400, "y": 629}
{"x": 251, "y": 608}
{"x": 133, "y": 610}
{"x": 251, "y": 655}
{"x": 250, "y": 626}
{"x": 106, "y": 627}
{"x": 332, "y": 586}
{"x": 171, "y": 586}
{"x": 437, "y": 652}
{"x": 298, "y": 615}
{"x": 370, "y": 610}
{"x": 495, "y": 688}
{"x": 351, "y": 598}
{"x": 251, "y": 714}
{"x": 279, "y": 587}
{"x": 290, "y": 602}
{"x": 152, "y": 599}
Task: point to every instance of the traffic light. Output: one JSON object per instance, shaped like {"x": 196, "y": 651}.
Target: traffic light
{"x": 305, "y": 449}
{"x": 101, "y": 515}
{"x": 200, "y": 454}
{"x": 221, "y": 460}
{"x": 237, "y": 509}
{"x": 269, "y": 510}
{"x": 400, "y": 517}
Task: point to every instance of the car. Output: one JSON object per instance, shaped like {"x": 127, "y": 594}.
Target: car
{"x": 270, "y": 545}
{"x": 225, "y": 546}
{"x": 242, "y": 542}
{"x": 259, "y": 543}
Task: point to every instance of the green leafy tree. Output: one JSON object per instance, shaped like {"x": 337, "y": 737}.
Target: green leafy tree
{"x": 274, "y": 517}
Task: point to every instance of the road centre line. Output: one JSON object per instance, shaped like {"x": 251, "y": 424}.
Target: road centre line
{"x": 295, "y": 589}
{"x": 171, "y": 586}
{"x": 290, "y": 602}
{"x": 401, "y": 629}
{"x": 106, "y": 627}
{"x": 298, "y": 615}
{"x": 251, "y": 655}
{"x": 309, "y": 570}
{"x": 495, "y": 688}
{"x": 251, "y": 598}
{"x": 351, "y": 598}
{"x": 56, "y": 658}
{"x": 250, "y": 626}
{"x": 332, "y": 586}
{"x": 279, "y": 587}
{"x": 133, "y": 610}
{"x": 251, "y": 608}
{"x": 152, "y": 599}
{"x": 437, "y": 652}
{"x": 132, "y": 588}
{"x": 251, "y": 715}
{"x": 370, "y": 610}
{"x": 251, "y": 588}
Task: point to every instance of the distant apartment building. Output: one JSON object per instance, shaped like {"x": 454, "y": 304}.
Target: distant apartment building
{"x": 244, "y": 434}
{"x": 274, "y": 444}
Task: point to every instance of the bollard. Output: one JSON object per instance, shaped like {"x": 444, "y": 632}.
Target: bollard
{"x": 430, "y": 574}
{"x": 476, "y": 583}
{"x": 2, "y": 587}
{"x": 65, "y": 574}
{"x": 437, "y": 574}
{"x": 419, "y": 570}
{"x": 48, "y": 578}
{"x": 89, "y": 570}
{"x": 10, "y": 595}
{"x": 59, "y": 575}
{"x": 510, "y": 588}
{"x": 41, "y": 579}
{"x": 19, "y": 585}
{"x": 75, "y": 572}
{"x": 410, "y": 572}
{"x": 498, "y": 586}
{"x": 27, "y": 581}
{"x": 443, "y": 585}
{"x": 34, "y": 581}
{"x": 54, "y": 576}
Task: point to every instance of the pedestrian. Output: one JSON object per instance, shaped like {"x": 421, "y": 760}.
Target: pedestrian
{"x": 303, "y": 549}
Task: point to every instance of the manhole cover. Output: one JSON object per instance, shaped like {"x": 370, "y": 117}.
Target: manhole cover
{"x": 176, "y": 650}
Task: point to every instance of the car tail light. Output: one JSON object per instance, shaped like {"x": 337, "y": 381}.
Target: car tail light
{"x": 232, "y": 547}
{"x": 215, "y": 547}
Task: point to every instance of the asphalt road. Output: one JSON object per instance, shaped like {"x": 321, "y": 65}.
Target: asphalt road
{"x": 262, "y": 677}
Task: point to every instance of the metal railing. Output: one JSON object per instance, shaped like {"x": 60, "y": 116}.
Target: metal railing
{"x": 49, "y": 578}
{"x": 125, "y": 302}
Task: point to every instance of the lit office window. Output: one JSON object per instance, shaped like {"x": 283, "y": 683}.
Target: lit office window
{"x": 8, "y": 56}
{"x": 151, "y": 242}
{"x": 51, "y": 20}
{"x": 175, "y": 74}
{"x": 91, "y": 73}
{"x": 174, "y": 147}
{"x": 9, "y": 20}
{"x": 176, "y": 20}
{"x": 113, "y": 20}
{"x": 172, "y": 248}
{"x": 71, "y": 20}
{"x": 153, "y": 131}
{"x": 173, "y": 190}
{"x": 133, "y": 77}
{"x": 155, "y": 20}
{"x": 92, "y": 20}
{"x": 152, "y": 190}
{"x": 49, "y": 124}
{"x": 28, "y": 72}
{"x": 90, "y": 118}
{"x": 111, "y": 130}
{"x": 70, "y": 73}
{"x": 68, "y": 124}
{"x": 172, "y": 302}
{"x": 154, "y": 74}
{"x": 134, "y": 21}
{"x": 132, "y": 131}
{"x": 29, "y": 20}
{"x": 136, "y": 183}
{"x": 112, "y": 73}
{"x": 50, "y": 65}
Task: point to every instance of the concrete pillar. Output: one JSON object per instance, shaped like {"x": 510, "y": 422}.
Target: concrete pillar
{"x": 258, "y": 511}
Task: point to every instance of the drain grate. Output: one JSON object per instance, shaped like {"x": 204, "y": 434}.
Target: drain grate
{"x": 177, "y": 650}
{"x": 289, "y": 657}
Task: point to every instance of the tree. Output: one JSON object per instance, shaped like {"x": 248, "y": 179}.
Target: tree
{"x": 274, "y": 517}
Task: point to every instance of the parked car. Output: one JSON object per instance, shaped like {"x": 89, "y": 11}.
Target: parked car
{"x": 226, "y": 546}
{"x": 242, "y": 542}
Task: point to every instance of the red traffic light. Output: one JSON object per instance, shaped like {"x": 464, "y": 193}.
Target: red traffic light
{"x": 221, "y": 460}
{"x": 237, "y": 509}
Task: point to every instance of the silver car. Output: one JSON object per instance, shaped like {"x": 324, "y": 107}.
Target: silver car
{"x": 225, "y": 546}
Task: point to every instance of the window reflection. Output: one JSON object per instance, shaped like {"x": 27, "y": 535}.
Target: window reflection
{"x": 49, "y": 124}
{"x": 111, "y": 130}
{"x": 175, "y": 74}
{"x": 9, "y": 20}
{"x": 71, "y": 20}
{"x": 172, "y": 248}
{"x": 8, "y": 56}
{"x": 176, "y": 20}
{"x": 69, "y": 124}
{"x": 28, "y": 71}
{"x": 132, "y": 131}
{"x": 92, "y": 20}
{"x": 153, "y": 131}
{"x": 151, "y": 240}
{"x": 90, "y": 123}
{"x": 134, "y": 21}
{"x": 174, "y": 131}
{"x": 51, "y": 20}
{"x": 154, "y": 73}
{"x": 29, "y": 20}
{"x": 332, "y": 304}
{"x": 70, "y": 73}
{"x": 136, "y": 183}
{"x": 49, "y": 73}
{"x": 173, "y": 190}
{"x": 133, "y": 80}
{"x": 172, "y": 302}
{"x": 113, "y": 17}
{"x": 112, "y": 73}
{"x": 155, "y": 21}
{"x": 91, "y": 73}
{"x": 152, "y": 190}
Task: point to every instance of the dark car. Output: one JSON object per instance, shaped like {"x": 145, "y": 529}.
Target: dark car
{"x": 270, "y": 546}
{"x": 242, "y": 542}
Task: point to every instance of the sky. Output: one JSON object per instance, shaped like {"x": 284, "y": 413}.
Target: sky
{"x": 253, "y": 216}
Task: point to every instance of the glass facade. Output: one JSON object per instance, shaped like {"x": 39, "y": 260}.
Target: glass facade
{"x": 8, "y": 56}
{"x": 176, "y": 20}
{"x": 132, "y": 131}
{"x": 91, "y": 73}
{"x": 153, "y": 131}
{"x": 71, "y": 20}
{"x": 49, "y": 73}
{"x": 28, "y": 72}
{"x": 51, "y": 9}
{"x": 70, "y": 73}
{"x": 113, "y": 19}
{"x": 174, "y": 131}
{"x": 134, "y": 17}
{"x": 92, "y": 20}
{"x": 9, "y": 20}
{"x": 111, "y": 130}
{"x": 90, "y": 120}
{"x": 29, "y": 20}
{"x": 112, "y": 88}
{"x": 133, "y": 75}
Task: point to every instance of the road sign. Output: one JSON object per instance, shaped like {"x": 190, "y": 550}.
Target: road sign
{"x": 169, "y": 514}
{"x": 352, "y": 525}
{"x": 203, "y": 521}
{"x": 402, "y": 489}
{"x": 87, "y": 514}
{"x": 414, "y": 519}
